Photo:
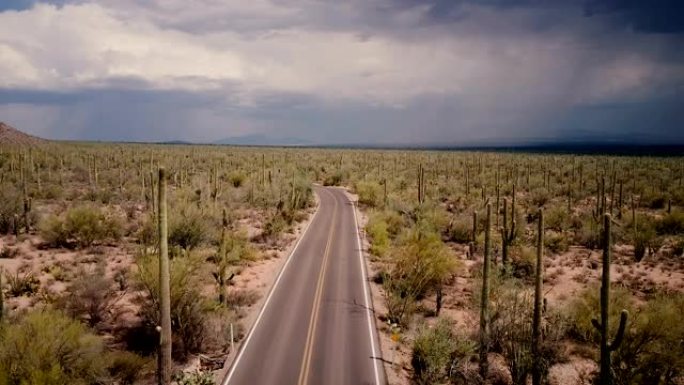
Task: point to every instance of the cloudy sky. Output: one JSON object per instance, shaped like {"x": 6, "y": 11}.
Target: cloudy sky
{"x": 344, "y": 71}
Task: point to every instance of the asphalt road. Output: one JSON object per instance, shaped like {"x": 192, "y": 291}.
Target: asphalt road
{"x": 316, "y": 326}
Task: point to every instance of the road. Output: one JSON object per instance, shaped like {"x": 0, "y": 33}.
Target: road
{"x": 316, "y": 326}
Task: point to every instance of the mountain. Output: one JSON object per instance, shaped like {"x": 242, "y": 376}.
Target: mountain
{"x": 263, "y": 140}
{"x": 11, "y": 136}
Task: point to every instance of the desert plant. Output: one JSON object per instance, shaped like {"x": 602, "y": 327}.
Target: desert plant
{"x": 165, "y": 363}
{"x": 606, "y": 374}
{"x": 537, "y": 314}
{"x": 47, "y": 347}
{"x": 91, "y": 296}
{"x": 195, "y": 378}
{"x": 22, "y": 284}
{"x": 126, "y": 367}
{"x": 484, "y": 305}
{"x": 432, "y": 352}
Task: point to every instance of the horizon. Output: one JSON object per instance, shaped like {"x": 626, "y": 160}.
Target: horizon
{"x": 381, "y": 73}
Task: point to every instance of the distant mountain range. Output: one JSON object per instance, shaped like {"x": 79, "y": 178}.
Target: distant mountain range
{"x": 263, "y": 140}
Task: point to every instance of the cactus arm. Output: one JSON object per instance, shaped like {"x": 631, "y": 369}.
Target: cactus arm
{"x": 621, "y": 331}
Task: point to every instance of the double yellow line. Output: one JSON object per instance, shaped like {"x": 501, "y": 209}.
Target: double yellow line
{"x": 306, "y": 362}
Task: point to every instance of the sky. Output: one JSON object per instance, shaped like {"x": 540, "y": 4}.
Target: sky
{"x": 419, "y": 72}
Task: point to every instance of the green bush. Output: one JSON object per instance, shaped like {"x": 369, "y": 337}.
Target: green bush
{"x": 432, "y": 353}
{"x": 22, "y": 284}
{"x": 671, "y": 224}
{"x": 47, "y": 347}
{"x": 461, "y": 230}
{"x": 188, "y": 306}
{"x": 370, "y": 193}
{"x": 82, "y": 226}
{"x": 376, "y": 228}
{"x": 187, "y": 231}
{"x": 90, "y": 297}
{"x": 195, "y": 378}
{"x": 236, "y": 179}
{"x": 126, "y": 367}
{"x": 586, "y": 306}
{"x": 652, "y": 351}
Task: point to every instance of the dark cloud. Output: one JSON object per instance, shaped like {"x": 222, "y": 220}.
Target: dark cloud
{"x": 656, "y": 16}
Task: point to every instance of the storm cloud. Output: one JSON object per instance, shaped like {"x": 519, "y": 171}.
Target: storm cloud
{"x": 359, "y": 71}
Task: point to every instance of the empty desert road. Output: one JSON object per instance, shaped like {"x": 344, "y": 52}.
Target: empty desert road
{"x": 316, "y": 326}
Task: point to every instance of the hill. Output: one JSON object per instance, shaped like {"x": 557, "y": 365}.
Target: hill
{"x": 11, "y": 136}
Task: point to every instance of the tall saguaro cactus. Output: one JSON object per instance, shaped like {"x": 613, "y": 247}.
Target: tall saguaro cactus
{"x": 536, "y": 316}
{"x": 484, "y": 303}
{"x": 2, "y": 299}
{"x": 606, "y": 374}
{"x": 164, "y": 283}
{"x": 507, "y": 234}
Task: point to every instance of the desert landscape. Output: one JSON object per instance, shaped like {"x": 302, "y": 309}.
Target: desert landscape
{"x": 81, "y": 292}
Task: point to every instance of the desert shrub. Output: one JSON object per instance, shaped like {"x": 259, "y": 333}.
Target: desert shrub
{"x": 47, "y": 347}
{"x": 652, "y": 351}
{"x": 557, "y": 218}
{"x": 671, "y": 224}
{"x": 523, "y": 261}
{"x": 241, "y": 297}
{"x": 556, "y": 243}
{"x": 10, "y": 205}
{"x": 462, "y": 369}
{"x": 91, "y": 296}
{"x": 187, "y": 231}
{"x": 147, "y": 232}
{"x": 588, "y": 235}
{"x": 274, "y": 226}
{"x": 678, "y": 247}
{"x": 188, "y": 306}
{"x": 126, "y": 367}
{"x": 587, "y": 306}
{"x": 82, "y": 225}
{"x": 195, "y": 378}
{"x": 645, "y": 237}
{"x": 540, "y": 196}
{"x": 422, "y": 262}
{"x": 22, "y": 284}
{"x": 460, "y": 230}
{"x": 236, "y": 179}
{"x": 432, "y": 352}
{"x": 370, "y": 193}
{"x": 511, "y": 329}
{"x": 376, "y": 228}
{"x": 334, "y": 179}
{"x": 8, "y": 253}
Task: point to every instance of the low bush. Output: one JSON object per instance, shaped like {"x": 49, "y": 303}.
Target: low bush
{"x": 187, "y": 231}
{"x": 370, "y": 193}
{"x": 90, "y": 297}
{"x": 126, "y": 367}
{"x": 81, "y": 226}
{"x": 188, "y": 306}
{"x": 47, "y": 347}
{"x": 376, "y": 228}
{"x": 195, "y": 378}
{"x": 652, "y": 351}
{"x": 432, "y": 353}
{"x": 671, "y": 224}
{"x": 22, "y": 284}
{"x": 236, "y": 179}
{"x": 586, "y": 306}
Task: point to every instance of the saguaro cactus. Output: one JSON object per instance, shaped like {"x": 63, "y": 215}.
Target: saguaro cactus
{"x": 507, "y": 234}
{"x": 606, "y": 374}
{"x": 2, "y": 299}
{"x": 164, "y": 283}
{"x": 536, "y": 317}
{"x": 484, "y": 303}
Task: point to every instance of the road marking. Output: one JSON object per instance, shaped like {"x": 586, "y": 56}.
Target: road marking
{"x": 226, "y": 380}
{"x": 313, "y": 321}
{"x": 365, "y": 296}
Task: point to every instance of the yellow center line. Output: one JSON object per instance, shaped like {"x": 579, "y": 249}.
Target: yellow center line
{"x": 306, "y": 360}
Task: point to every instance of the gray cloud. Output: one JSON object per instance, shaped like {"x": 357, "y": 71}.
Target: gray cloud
{"x": 381, "y": 71}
